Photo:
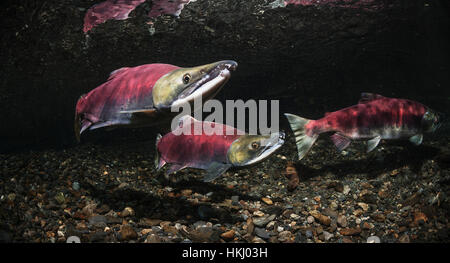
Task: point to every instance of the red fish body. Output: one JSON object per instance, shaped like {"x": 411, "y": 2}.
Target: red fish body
{"x": 110, "y": 9}
{"x": 143, "y": 95}
{"x": 193, "y": 145}
{"x": 374, "y": 118}
{"x": 388, "y": 117}
{"x": 120, "y": 9}
{"x": 126, "y": 89}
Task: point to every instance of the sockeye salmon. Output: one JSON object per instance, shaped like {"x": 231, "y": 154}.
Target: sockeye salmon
{"x": 374, "y": 118}
{"x": 143, "y": 95}
{"x": 215, "y": 153}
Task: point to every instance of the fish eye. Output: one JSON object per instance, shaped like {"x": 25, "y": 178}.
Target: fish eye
{"x": 255, "y": 145}
{"x": 186, "y": 78}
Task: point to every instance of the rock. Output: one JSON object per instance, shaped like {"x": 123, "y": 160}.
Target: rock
{"x": 346, "y": 189}
{"x": 373, "y": 239}
{"x": 285, "y": 236}
{"x": 327, "y": 235}
{"x": 366, "y": 185}
{"x": 153, "y": 238}
{"x": 204, "y": 234}
{"x": 186, "y": 192}
{"x": 330, "y": 212}
{"x": 262, "y": 233}
{"x": 88, "y": 210}
{"x": 96, "y": 219}
{"x": 60, "y": 198}
{"x": 404, "y": 239}
{"x": 294, "y": 216}
{"x": 229, "y": 235}
{"x": 310, "y": 219}
{"x": 383, "y": 194}
{"x": 146, "y": 222}
{"x": 350, "y": 231}
{"x": 379, "y": 217}
{"x": 258, "y": 213}
{"x": 127, "y": 233}
{"x": 364, "y": 206}
{"x": 367, "y": 226}
{"x": 267, "y": 200}
{"x": 127, "y": 211}
{"x": 250, "y": 226}
{"x": 235, "y": 199}
{"x": 321, "y": 218}
{"x": 262, "y": 221}
{"x": 258, "y": 240}
{"x": 76, "y": 186}
{"x": 342, "y": 221}
{"x": 420, "y": 218}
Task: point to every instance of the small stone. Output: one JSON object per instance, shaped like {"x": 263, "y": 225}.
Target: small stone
{"x": 366, "y": 225}
{"x": 262, "y": 233}
{"x": 258, "y": 240}
{"x": 350, "y": 231}
{"x": 373, "y": 239}
{"x": 310, "y": 219}
{"x": 186, "y": 192}
{"x": 60, "y": 198}
{"x": 127, "y": 211}
{"x": 342, "y": 221}
{"x": 250, "y": 226}
{"x": 235, "y": 199}
{"x": 379, "y": 217}
{"x": 321, "y": 218}
{"x": 76, "y": 186}
{"x": 267, "y": 200}
{"x": 285, "y": 236}
{"x": 346, "y": 189}
{"x": 383, "y": 194}
{"x": 364, "y": 206}
{"x": 327, "y": 235}
{"x": 262, "y": 221}
{"x": 152, "y": 238}
{"x": 127, "y": 233}
{"x": 258, "y": 213}
{"x": 294, "y": 217}
{"x": 228, "y": 235}
{"x": 404, "y": 239}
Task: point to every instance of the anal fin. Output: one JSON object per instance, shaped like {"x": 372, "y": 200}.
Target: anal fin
{"x": 341, "y": 142}
{"x": 215, "y": 170}
{"x": 372, "y": 143}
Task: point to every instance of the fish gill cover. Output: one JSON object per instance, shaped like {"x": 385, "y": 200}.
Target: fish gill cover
{"x": 120, "y": 9}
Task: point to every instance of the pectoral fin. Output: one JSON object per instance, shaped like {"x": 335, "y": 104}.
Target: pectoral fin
{"x": 416, "y": 139}
{"x": 215, "y": 170}
{"x": 372, "y": 143}
{"x": 341, "y": 142}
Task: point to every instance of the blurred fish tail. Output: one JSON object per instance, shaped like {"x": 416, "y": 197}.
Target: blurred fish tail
{"x": 303, "y": 141}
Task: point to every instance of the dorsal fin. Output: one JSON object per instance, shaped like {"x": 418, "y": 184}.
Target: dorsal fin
{"x": 367, "y": 97}
{"x": 115, "y": 72}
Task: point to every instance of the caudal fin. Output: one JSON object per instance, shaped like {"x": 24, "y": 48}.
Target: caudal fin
{"x": 303, "y": 141}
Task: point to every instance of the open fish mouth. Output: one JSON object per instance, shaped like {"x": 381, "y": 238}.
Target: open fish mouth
{"x": 208, "y": 85}
{"x": 275, "y": 141}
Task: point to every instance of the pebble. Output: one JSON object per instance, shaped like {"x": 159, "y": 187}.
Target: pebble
{"x": 310, "y": 219}
{"x": 346, "y": 190}
{"x": 342, "y": 221}
{"x": 285, "y": 236}
{"x": 321, "y": 218}
{"x": 60, "y": 198}
{"x": 294, "y": 217}
{"x": 127, "y": 233}
{"x": 373, "y": 239}
{"x": 228, "y": 235}
{"x": 267, "y": 200}
{"x": 264, "y": 220}
{"x": 327, "y": 235}
{"x": 76, "y": 186}
{"x": 262, "y": 233}
{"x": 127, "y": 211}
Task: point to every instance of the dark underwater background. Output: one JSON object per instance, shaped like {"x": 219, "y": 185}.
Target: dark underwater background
{"x": 313, "y": 59}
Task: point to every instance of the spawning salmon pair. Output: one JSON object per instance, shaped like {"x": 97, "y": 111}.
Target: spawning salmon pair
{"x": 143, "y": 96}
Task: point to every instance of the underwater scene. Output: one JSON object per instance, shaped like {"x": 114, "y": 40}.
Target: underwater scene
{"x": 225, "y": 121}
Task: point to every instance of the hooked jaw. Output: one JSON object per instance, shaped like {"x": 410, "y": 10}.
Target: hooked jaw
{"x": 212, "y": 78}
{"x": 271, "y": 144}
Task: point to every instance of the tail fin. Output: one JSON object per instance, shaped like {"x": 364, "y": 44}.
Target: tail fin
{"x": 303, "y": 141}
{"x": 158, "y": 161}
